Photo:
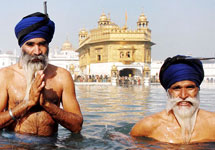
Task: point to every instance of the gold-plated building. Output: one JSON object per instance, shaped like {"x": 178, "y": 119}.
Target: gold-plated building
{"x": 108, "y": 46}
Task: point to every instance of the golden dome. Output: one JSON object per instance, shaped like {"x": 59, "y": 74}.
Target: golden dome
{"x": 103, "y": 17}
{"x": 67, "y": 45}
{"x": 114, "y": 67}
{"x": 142, "y": 18}
{"x": 83, "y": 32}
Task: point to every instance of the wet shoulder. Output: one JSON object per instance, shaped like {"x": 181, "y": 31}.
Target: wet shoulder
{"x": 147, "y": 125}
{"x": 58, "y": 73}
{"x": 8, "y": 72}
{"x": 57, "y": 69}
{"x": 203, "y": 112}
{"x": 206, "y": 120}
{"x": 154, "y": 119}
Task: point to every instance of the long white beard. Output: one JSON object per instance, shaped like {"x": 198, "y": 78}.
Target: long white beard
{"x": 31, "y": 68}
{"x": 186, "y": 116}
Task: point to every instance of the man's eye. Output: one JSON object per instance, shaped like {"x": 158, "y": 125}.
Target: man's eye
{"x": 176, "y": 88}
{"x": 43, "y": 43}
{"x": 191, "y": 87}
{"x": 29, "y": 43}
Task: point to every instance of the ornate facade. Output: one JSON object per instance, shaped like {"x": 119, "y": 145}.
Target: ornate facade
{"x": 111, "y": 50}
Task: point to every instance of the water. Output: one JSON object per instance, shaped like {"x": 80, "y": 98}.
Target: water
{"x": 109, "y": 114}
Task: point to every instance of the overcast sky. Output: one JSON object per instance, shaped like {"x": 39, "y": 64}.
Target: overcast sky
{"x": 178, "y": 26}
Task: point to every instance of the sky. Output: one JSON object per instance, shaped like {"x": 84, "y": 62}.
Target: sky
{"x": 184, "y": 27}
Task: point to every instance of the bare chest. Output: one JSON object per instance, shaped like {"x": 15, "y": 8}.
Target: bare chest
{"x": 17, "y": 91}
{"x": 176, "y": 134}
{"x": 167, "y": 133}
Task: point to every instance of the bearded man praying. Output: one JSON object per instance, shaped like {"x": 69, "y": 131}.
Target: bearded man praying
{"x": 182, "y": 121}
{"x": 32, "y": 90}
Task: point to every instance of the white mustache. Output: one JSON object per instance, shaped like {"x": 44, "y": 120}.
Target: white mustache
{"x": 40, "y": 57}
{"x": 30, "y": 59}
{"x": 172, "y": 102}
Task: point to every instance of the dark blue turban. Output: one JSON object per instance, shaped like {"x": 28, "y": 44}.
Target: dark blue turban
{"x": 180, "y": 68}
{"x": 36, "y": 25}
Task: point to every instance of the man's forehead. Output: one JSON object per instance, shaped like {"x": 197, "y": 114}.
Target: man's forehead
{"x": 183, "y": 83}
{"x": 36, "y": 40}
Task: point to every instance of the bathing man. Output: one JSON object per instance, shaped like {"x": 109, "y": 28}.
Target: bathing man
{"x": 182, "y": 121}
{"x": 32, "y": 90}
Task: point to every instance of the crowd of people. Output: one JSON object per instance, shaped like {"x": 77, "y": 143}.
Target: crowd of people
{"x": 130, "y": 80}
{"x": 124, "y": 80}
{"x": 92, "y": 78}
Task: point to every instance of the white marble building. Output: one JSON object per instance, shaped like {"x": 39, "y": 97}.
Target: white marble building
{"x": 209, "y": 69}
{"x": 66, "y": 57}
{"x": 8, "y": 58}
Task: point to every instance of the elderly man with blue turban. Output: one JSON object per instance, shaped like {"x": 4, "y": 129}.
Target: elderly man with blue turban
{"x": 182, "y": 121}
{"x": 32, "y": 90}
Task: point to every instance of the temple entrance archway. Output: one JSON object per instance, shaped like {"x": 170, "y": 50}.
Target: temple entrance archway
{"x": 126, "y": 72}
{"x": 130, "y": 72}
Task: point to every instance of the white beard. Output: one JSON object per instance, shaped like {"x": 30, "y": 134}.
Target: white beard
{"x": 186, "y": 116}
{"x": 31, "y": 68}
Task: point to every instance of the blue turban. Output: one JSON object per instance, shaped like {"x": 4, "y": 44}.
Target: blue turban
{"x": 36, "y": 25}
{"x": 180, "y": 68}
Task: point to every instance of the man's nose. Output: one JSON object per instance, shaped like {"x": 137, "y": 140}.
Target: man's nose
{"x": 183, "y": 93}
{"x": 37, "y": 50}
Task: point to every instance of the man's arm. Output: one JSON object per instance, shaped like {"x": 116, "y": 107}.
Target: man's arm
{"x": 5, "y": 118}
{"x": 70, "y": 116}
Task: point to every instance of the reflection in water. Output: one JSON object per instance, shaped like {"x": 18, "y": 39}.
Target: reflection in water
{"x": 11, "y": 140}
{"x": 112, "y": 104}
{"x": 109, "y": 114}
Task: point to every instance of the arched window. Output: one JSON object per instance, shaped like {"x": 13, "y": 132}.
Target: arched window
{"x": 121, "y": 54}
{"x": 98, "y": 57}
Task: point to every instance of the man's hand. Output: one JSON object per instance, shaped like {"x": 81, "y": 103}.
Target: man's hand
{"x": 36, "y": 88}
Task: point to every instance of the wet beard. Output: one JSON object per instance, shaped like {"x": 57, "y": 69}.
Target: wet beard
{"x": 31, "y": 67}
{"x": 186, "y": 116}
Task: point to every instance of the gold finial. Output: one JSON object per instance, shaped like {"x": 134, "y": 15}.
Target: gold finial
{"x": 126, "y": 18}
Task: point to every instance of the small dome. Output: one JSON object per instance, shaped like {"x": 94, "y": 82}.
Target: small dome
{"x": 103, "y": 17}
{"x": 142, "y": 18}
{"x": 83, "y": 31}
{"x": 67, "y": 45}
{"x": 114, "y": 67}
